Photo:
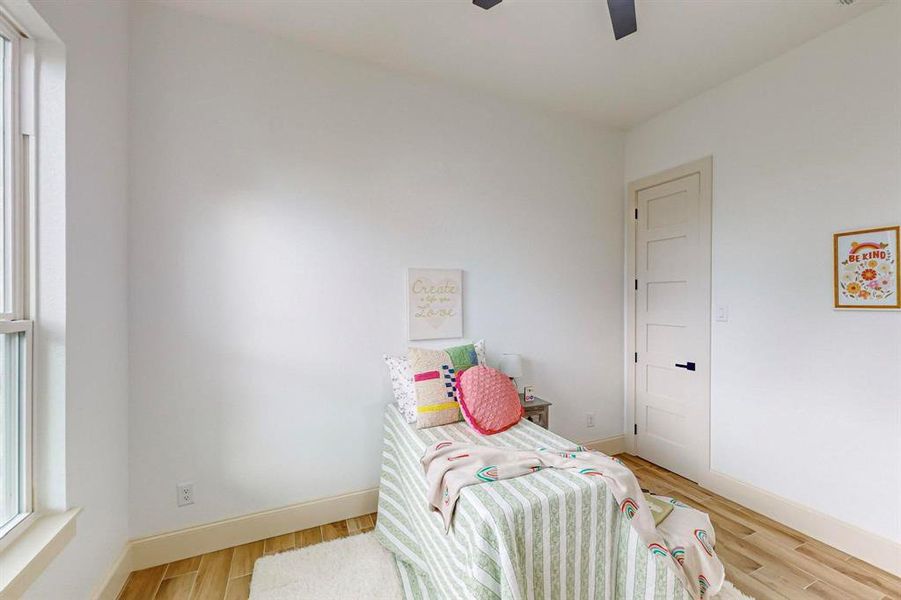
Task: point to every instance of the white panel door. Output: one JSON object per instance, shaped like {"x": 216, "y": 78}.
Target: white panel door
{"x": 672, "y": 316}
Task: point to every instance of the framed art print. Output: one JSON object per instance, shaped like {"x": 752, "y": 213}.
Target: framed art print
{"x": 434, "y": 303}
{"x": 866, "y": 268}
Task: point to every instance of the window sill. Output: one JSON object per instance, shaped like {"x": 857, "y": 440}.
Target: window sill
{"x": 32, "y": 551}
{"x": 13, "y": 529}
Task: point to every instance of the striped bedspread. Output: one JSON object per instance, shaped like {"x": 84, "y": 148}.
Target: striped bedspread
{"x": 548, "y": 535}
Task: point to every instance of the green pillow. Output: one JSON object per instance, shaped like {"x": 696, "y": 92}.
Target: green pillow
{"x": 463, "y": 357}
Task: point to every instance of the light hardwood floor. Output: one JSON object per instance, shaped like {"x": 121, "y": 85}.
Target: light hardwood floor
{"x": 763, "y": 558}
{"x": 225, "y": 574}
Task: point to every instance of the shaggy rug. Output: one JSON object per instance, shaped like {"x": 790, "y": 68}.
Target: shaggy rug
{"x": 345, "y": 569}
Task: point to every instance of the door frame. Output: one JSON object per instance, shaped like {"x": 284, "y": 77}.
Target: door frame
{"x": 704, "y": 167}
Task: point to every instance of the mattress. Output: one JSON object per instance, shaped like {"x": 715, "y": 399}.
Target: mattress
{"x": 547, "y": 535}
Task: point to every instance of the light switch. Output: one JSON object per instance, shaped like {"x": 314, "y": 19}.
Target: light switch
{"x": 722, "y": 312}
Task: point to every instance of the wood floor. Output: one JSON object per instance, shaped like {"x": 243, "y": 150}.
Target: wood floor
{"x": 766, "y": 559}
{"x": 763, "y": 558}
{"x": 225, "y": 574}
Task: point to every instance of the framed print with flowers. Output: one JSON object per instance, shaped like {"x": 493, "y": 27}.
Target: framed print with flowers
{"x": 866, "y": 268}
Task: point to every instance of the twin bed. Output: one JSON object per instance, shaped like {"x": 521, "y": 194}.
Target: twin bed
{"x": 546, "y": 535}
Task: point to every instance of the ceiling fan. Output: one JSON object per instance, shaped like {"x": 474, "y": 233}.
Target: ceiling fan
{"x": 622, "y": 15}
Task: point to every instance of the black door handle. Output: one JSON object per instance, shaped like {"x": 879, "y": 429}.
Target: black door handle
{"x": 689, "y": 365}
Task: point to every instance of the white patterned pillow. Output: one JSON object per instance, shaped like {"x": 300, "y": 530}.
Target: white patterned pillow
{"x": 402, "y": 384}
{"x": 480, "y": 353}
{"x": 402, "y": 381}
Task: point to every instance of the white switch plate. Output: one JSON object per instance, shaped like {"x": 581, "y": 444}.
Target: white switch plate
{"x": 722, "y": 312}
{"x": 589, "y": 420}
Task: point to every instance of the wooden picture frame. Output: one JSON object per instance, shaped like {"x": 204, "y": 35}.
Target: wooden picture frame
{"x": 865, "y": 272}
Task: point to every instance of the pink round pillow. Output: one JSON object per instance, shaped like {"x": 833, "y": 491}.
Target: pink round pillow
{"x": 488, "y": 400}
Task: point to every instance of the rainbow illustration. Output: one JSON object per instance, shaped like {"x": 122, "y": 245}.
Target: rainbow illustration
{"x": 616, "y": 460}
{"x": 703, "y": 584}
{"x": 458, "y": 457}
{"x": 658, "y": 549}
{"x": 675, "y": 502}
{"x": 701, "y": 536}
{"x": 679, "y": 554}
{"x": 855, "y": 247}
{"x": 535, "y": 468}
{"x": 567, "y": 454}
{"x": 629, "y": 508}
{"x": 441, "y": 445}
{"x": 591, "y": 472}
{"x": 487, "y": 473}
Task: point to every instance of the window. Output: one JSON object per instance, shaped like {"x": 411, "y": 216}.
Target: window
{"x": 15, "y": 323}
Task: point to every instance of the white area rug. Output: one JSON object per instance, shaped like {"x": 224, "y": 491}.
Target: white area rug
{"x": 346, "y": 569}
{"x": 353, "y": 567}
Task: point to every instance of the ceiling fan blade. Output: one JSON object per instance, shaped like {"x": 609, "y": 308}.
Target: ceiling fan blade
{"x": 622, "y": 15}
{"x": 486, "y": 4}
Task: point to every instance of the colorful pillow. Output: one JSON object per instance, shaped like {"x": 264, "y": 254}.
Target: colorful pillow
{"x": 402, "y": 377}
{"x": 463, "y": 357}
{"x": 435, "y": 382}
{"x": 488, "y": 400}
{"x": 402, "y": 384}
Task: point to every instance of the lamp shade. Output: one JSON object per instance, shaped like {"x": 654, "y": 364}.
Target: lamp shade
{"x": 511, "y": 365}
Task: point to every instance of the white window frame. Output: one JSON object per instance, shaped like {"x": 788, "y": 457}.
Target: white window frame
{"x": 15, "y": 317}
{"x": 19, "y": 523}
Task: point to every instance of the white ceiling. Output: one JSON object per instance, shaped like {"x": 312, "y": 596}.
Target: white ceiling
{"x": 556, "y": 53}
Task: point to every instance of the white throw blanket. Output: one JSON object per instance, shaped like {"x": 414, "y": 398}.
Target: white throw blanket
{"x": 685, "y": 539}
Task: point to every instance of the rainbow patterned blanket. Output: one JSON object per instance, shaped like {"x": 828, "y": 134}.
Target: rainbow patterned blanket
{"x": 684, "y": 539}
{"x": 552, "y": 534}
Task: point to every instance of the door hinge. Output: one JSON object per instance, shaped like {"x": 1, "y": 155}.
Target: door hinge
{"x": 636, "y": 284}
{"x": 635, "y": 430}
{"x": 636, "y": 214}
{"x": 636, "y": 357}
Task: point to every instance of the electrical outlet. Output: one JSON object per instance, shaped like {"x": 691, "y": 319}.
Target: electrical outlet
{"x": 589, "y": 420}
{"x": 185, "y": 494}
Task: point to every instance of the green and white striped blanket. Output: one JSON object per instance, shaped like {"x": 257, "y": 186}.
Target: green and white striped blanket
{"x": 548, "y": 535}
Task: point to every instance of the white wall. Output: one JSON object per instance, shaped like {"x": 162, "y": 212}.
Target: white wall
{"x": 95, "y": 35}
{"x": 277, "y": 197}
{"x": 806, "y": 400}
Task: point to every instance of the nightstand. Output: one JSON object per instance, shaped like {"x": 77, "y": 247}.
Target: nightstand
{"x": 536, "y": 411}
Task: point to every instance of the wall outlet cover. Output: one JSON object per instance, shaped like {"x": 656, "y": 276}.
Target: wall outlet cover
{"x": 185, "y": 493}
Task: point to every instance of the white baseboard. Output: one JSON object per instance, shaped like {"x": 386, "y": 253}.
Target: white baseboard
{"x": 184, "y": 543}
{"x": 867, "y": 546}
{"x": 610, "y": 446}
{"x": 110, "y": 587}
{"x": 167, "y": 547}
